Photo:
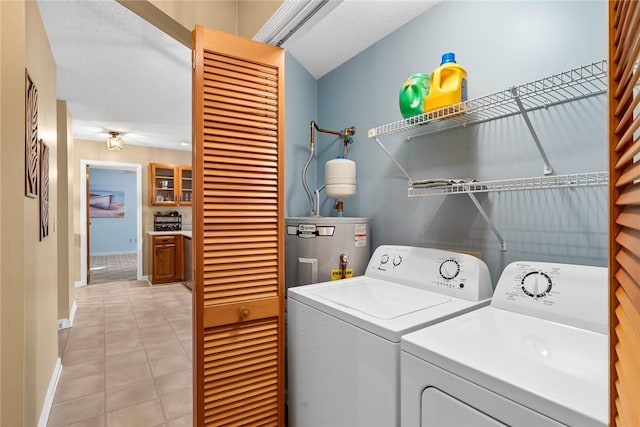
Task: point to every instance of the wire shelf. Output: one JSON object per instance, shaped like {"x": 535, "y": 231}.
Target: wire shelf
{"x": 533, "y": 183}
{"x": 567, "y": 86}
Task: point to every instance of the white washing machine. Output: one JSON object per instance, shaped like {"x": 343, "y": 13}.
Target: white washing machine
{"x": 343, "y": 337}
{"x": 537, "y": 356}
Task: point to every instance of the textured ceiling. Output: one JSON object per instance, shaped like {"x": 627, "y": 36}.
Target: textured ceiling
{"x": 348, "y": 29}
{"x": 119, "y": 73}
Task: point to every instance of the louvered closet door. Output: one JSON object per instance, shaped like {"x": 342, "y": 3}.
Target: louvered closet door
{"x": 238, "y": 219}
{"x": 624, "y": 232}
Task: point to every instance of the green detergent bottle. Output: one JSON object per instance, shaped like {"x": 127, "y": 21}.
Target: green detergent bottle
{"x": 412, "y": 95}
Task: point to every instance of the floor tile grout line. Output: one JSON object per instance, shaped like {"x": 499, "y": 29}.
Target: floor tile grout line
{"x": 158, "y": 298}
{"x": 117, "y": 267}
{"x": 155, "y": 384}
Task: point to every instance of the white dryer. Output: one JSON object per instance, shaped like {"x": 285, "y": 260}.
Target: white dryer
{"x": 537, "y": 356}
{"x": 343, "y": 337}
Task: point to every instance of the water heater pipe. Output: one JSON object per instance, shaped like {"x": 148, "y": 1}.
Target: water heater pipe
{"x": 304, "y": 178}
{"x": 346, "y": 137}
{"x": 317, "y": 205}
{"x": 314, "y": 125}
{"x": 344, "y": 261}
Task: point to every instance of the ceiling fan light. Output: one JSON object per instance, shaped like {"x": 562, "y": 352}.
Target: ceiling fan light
{"x": 114, "y": 142}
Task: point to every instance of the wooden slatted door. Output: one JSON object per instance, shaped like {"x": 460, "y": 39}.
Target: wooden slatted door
{"x": 238, "y": 220}
{"x": 624, "y": 212}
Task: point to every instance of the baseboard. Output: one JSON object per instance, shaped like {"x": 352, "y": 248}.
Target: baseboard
{"x": 67, "y": 323}
{"x": 51, "y": 391}
{"x": 74, "y": 308}
{"x": 145, "y": 277}
{"x": 113, "y": 253}
{"x": 78, "y": 284}
{"x": 64, "y": 323}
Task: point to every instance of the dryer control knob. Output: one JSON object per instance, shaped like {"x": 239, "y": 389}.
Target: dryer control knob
{"x": 397, "y": 260}
{"x": 449, "y": 269}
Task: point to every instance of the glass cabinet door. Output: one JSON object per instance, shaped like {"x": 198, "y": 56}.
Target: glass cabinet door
{"x": 186, "y": 195}
{"x": 163, "y": 185}
{"x": 170, "y": 185}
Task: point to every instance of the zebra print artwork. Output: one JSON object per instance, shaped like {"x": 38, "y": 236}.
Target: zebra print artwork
{"x": 44, "y": 190}
{"x": 32, "y": 155}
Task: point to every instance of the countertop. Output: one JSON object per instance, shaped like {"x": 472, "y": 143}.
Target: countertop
{"x": 185, "y": 233}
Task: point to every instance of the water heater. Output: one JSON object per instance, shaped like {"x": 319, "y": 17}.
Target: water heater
{"x": 316, "y": 248}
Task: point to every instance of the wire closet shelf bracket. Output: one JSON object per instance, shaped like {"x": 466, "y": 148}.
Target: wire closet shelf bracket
{"x": 577, "y": 83}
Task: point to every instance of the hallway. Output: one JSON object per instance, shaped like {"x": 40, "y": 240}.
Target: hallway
{"x": 127, "y": 358}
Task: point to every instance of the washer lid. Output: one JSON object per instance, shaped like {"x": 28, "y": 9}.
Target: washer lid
{"x": 382, "y": 300}
{"x": 383, "y": 308}
{"x": 557, "y": 370}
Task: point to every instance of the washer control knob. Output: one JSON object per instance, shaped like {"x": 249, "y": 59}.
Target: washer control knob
{"x": 384, "y": 259}
{"x": 397, "y": 260}
{"x": 536, "y": 284}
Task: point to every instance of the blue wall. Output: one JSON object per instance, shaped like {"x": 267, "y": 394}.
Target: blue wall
{"x": 300, "y": 109}
{"x": 114, "y": 235}
{"x": 500, "y": 44}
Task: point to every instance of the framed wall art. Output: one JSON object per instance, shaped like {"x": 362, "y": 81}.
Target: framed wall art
{"x": 32, "y": 155}
{"x": 106, "y": 201}
{"x": 44, "y": 190}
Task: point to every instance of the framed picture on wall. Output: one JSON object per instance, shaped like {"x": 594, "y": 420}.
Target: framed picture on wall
{"x": 106, "y": 201}
{"x": 31, "y": 145}
{"x": 44, "y": 190}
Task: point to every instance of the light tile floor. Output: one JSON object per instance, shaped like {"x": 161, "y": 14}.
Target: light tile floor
{"x": 113, "y": 268}
{"x": 127, "y": 358}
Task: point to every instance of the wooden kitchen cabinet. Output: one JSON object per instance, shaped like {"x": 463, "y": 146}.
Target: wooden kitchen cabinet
{"x": 170, "y": 185}
{"x": 167, "y": 259}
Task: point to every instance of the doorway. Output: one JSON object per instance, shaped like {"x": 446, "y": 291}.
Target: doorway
{"x": 107, "y": 201}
